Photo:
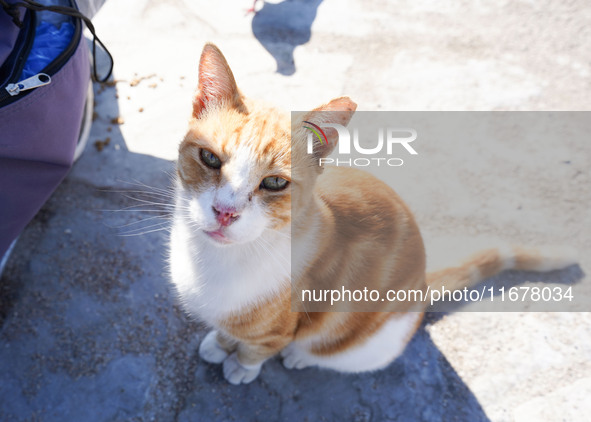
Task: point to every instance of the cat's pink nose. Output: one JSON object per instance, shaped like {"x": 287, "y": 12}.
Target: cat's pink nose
{"x": 225, "y": 215}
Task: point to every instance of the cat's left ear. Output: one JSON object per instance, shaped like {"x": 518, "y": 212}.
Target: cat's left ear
{"x": 337, "y": 112}
{"x": 216, "y": 83}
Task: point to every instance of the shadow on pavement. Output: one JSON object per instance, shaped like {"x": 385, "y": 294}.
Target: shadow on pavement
{"x": 281, "y": 27}
{"x": 91, "y": 329}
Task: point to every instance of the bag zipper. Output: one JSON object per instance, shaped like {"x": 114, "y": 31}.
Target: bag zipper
{"x": 33, "y": 82}
{"x": 12, "y": 91}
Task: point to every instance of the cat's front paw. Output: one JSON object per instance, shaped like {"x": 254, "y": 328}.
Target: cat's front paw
{"x": 293, "y": 358}
{"x": 237, "y": 373}
{"x": 210, "y": 350}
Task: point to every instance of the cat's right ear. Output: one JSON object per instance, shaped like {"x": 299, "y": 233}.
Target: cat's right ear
{"x": 216, "y": 83}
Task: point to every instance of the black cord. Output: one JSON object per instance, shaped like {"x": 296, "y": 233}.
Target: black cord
{"x": 12, "y": 12}
{"x": 10, "y": 8}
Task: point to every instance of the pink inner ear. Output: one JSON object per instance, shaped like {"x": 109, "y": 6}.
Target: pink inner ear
{"x": 198, "y": 105}
{"x": 206, "y": 93}
{"x": 216, "y": 81}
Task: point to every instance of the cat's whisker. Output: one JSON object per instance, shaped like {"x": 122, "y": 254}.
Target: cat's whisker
{"x": 265, "y": 241}
{"x": 287, "y": 236}
{"x": 152, "y": 207}
{"x": 164, "y": 194}
{"x": 144, "y": 203}
{"x": 195, "y": 227}
{"x": 146, "y": 230}
{"x": 138, "y": 210}
{"x": 150, "y": 203}
{"x": 141, "y": 233}
{"x": 144, "y": 220}
{"x": 143, "y": 185}
{"x": 262, "y": 242}
{"x": 147, "y": 201}
{"x": 131, "y": 230}
{"x": 161, "y": 200}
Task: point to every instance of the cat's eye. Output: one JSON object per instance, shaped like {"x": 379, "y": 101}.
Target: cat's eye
{"x": 210, "y": 159}
{"x": 274, "y": 183}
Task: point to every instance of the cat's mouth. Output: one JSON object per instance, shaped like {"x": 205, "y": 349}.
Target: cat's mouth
{"x": 219, "y": 236}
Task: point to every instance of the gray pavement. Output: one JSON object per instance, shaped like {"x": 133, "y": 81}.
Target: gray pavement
{"x": 90, "y": 329}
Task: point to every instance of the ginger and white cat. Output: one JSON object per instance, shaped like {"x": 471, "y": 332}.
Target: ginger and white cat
{"x": 249, "y": 198}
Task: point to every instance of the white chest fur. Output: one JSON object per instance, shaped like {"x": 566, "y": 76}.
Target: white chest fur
{"x": 213, "y": 281}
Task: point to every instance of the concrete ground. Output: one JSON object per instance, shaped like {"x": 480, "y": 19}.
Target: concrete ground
{"x": 90, "y": 329}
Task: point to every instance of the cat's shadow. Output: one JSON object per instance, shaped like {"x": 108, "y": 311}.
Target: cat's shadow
{"x": 282, "y": 26}
{"x": 421, "y": 385}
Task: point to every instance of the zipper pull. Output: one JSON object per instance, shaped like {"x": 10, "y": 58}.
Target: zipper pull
{"x": 36, "y": 81}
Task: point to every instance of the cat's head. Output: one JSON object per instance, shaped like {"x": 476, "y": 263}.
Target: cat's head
{"x": 235, "y": 175}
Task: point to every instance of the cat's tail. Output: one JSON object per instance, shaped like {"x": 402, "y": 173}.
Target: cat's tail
{"x": 489, "y": 261}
